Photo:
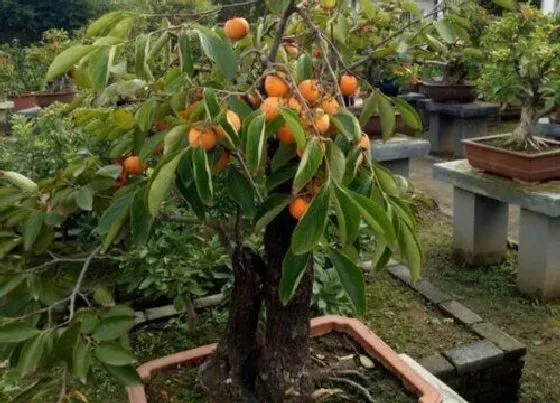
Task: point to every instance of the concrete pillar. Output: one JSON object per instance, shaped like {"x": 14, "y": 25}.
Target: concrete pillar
{"x": 398, "y": 167}
{"x": 480, "y": 228}
{"x": 442, "y": 137}
{"x": 539, "y": 255}
{"x": 466, "y": 129}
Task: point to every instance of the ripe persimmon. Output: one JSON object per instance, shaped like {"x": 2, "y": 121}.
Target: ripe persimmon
{"x": 294, "y": 104}
{"x": 275, "y": 87}
{"x": 322, "y": 122}
{"x": 310, "y": 90}
{"x": 236, "y": 28}
{"x": 234, "y": 120}
{"x": 291, "y": 49}
{"x": 271, "y": 108}
{"x": 285, "y": 135}
{"x": 133, "y": 165}
{"x": 222, "y": 162}
{"x": 186, "y": 113}
{"x": 348, "y": 85}
{"x": 205, "y": 138}
{"x": 298, "y": 207}
{"x": 330, "y": 106}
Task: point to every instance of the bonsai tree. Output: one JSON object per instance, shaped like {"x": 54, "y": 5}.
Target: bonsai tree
{"x": 522, "y": 63}
{"x": 199, "y": 107}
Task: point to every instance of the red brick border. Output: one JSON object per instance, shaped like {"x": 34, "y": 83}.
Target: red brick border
{"x": 321, "y": 326}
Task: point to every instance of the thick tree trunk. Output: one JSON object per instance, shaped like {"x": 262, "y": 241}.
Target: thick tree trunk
{"x": 284, "y": 367}
{"x": 230, "y": 376}
{"x": 528, "y": 117}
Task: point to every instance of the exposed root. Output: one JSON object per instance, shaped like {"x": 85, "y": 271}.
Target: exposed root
{"x": 526, "y": 143}
{"x": 356, "y": 386}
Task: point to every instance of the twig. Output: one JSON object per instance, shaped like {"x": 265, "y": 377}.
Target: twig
{"x": 62, "y": 394}
{"x": 248, "y": 175}
{"x": 363, "y": 391}
{"x": 280, "y": 33}
{"x": 83, "y": 272}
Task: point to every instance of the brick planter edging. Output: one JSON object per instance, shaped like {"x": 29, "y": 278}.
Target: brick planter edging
{"x": 488, "y": 370}
{"x": 321, "y": 326}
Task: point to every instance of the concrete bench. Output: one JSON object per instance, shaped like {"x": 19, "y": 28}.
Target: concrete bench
{"x": 480, "y": 224}
{"x": 396, "y": 153}
{"x": 548, "y": 130}
{"x": 449, "y": 123}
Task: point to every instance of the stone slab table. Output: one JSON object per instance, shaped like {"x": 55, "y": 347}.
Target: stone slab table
{"x": 395, "y": 154}
{"x": 480, "y": 224}
{"x": 412, "y": 98}
{"x": 449, "y": 123}
{"x": 420, "y": 106}
{"x": 548, "y": 130}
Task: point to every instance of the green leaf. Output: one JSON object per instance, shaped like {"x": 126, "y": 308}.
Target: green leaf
{"x": 310, "y": 228}
{"x": 113, "y": 354}
{"x": 84, "y": 198}
{"x": 304, "y": 68}
{"x": 142, "y": 48}
{"x": 509, "y": 4}
{"x": 116, "y": 210}
{"x": 67, "y": 59}
{"x": 80, "y": 360}
{"x": 219, "y": 52}
{"x": 336, "y": 162}
{"x": 112, "y": 328}
{"x": 241, "y": 191}
{"x": 211, "y": 103}
{"x": 369, "y": 8}
{"x": 311, "y": 160}
{"x": 445, "y": 31}
{"x": 370, "y": 107}
{"x": 293, "y": 269}
{"x": 280, "y": 176}
{"x": 377, "y": 218}
{"x": 161, "y": 181}
{"x": 191, "y": 196}
{"x": 386, "y": 181}
{"x": 173, "y": 139}
{"x": 348, "y": 125}
{"x": 348, "y": 214}
{"x": 148, "y": 147}
{"x": 410, "y": 248}
{"x": 127, "y": 375}
{"x": 270, "y": 208}
{"x": 408, "y": 113}
{"x": 185, "y": 53}
{"x": 282, "y": 156}
{"x": 294, "y": 124}
{"x": 16, "y": 332}
{"x": 239, "y": 106}
{"x": 8, "y": 245}
{"x": 352, "y": 280}
{"x": 104, "y": 24}
{"x": 33, "y": 226}
{"x": 99, "y": 67}
{"x": 387, "y": 116}
{"x": 31, "y": 353}
{"x": 202, "y": 175}
{"x": 11, "y": 285}
{"x": 256, "y": 143}
{"x": 103, "y": 297}
{"x": 277, "y": 7}
{"x": 145, "y": 114}
{"x": 158, "y": 45}
{"x": 140, "y": 219}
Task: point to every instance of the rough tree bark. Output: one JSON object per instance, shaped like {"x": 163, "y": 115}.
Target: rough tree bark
{"x": 522, "y": 133}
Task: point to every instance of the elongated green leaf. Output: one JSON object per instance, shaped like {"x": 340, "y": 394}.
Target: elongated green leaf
{"x": 114, "y": 212}
{"x": 304, "y": 68}
{"x": 277, "y": 7}
{"x": 348, "y": 214}
{"x": 112, "y": 328}
{"x": 211, "y": 103}
{"x": 294, "y": 124}
{"x": 270, "y": 208}
{"x": 141, "y": 57}
{"x": 239, "y": 106}
{"x": 11, "y": 285}
{"x": 256, "y": 143}
{"x": 104, "y": 297}
{"x": 145, "y": 115}
{"x": 81, "y": 358}
{"x": 173, "y": 139}
{"x": 8, "y": 245}
{"x": 104, "y": 24}
{"x": 410, "y": 248}
{"x": 126, "y": 375}
{"x": 352, "y": 280}
{"x": 284, "y": 154}
{"x": 140, "y": 219}
{"x": 65, "y": 60}
{"x": 509, "y": 4}
{"x": 370, "y": 107}
{"x": 84, "y": 198}
{"x": 311, "y": 160}
{"x": 241, "y": 191}
{"x": 348, "y": 125}
{"x": 445, "y": 30}
{"x": 191, "y": 196}
{"x": 369, "y": 8}
{"x": 310, "y": 229}
{"x": 31, "y": 353}
{"x": 185, "y": 53}
{"x": 161, "y": 181}
{"x": 293, "y": 269}
{"x": 408, "y": 113}
{"x": 377, "y": 218}
{"x": 219, "y": 52}
{"x": 33, "y": 226}
{"x": 158, "y": 45}
{"x": 387, "y": 116}
{"x": 386, "y": 181}
{"x": 16, "y": 332}
{"x": 99, "y": 67}
{"x": 336, "y": 162}
{"x": 280, "y": 176}
{"x": 202, "y": 175}
{"x": 113, "y": 354}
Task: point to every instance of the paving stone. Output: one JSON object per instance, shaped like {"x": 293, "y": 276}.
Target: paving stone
{"x": 433, "y": 294}
{"x": 401, "y": 272}
{"x": 474, "y": 356}
{"x": 438, "y": 365}
{"x": 161, "y": 312}
{"x": 460, "y": 312}
{"x": 511, "y": 347}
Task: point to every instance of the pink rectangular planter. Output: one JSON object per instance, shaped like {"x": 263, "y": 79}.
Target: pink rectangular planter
{"x": 321, "y": 326}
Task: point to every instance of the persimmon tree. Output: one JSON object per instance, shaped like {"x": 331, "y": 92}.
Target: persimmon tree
{"x": 182, "y": 107}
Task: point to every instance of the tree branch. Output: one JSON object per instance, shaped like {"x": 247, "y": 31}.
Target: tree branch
{"x": 280, "y": 33}
{"x": 78, "y": 285}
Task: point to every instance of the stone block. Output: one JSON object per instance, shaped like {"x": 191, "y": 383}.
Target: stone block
{"x": 438, "y": 365}
{"x": 401, "y": 272}
{"x": 539, "y": 255}
{"x": 469, "y": 110}
{"x": 460, "y": 312}
{"x": 511, "y": 347}
{"x": 474, "y": 356}
{"x": 431, "y": 293}
{"x": 396, "y": 152}
{"x": 139, "y": 318}
{"x": 161, "y": 312}
{"x": 480, "y": 228}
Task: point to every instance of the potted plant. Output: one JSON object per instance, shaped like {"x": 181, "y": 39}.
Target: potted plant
{"x": 523, "y": 63}
{"x": 452, "y": 48}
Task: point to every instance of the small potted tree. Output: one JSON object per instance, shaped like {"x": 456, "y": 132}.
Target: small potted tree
{"x": 523, "y": 58}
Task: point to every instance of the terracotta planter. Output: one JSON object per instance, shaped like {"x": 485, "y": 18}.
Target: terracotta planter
{"x": 322, "y": 326}
{"x": 439, "y": 92}
{"x": 42, "y": 99}
{"x": 516, "y": 165}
